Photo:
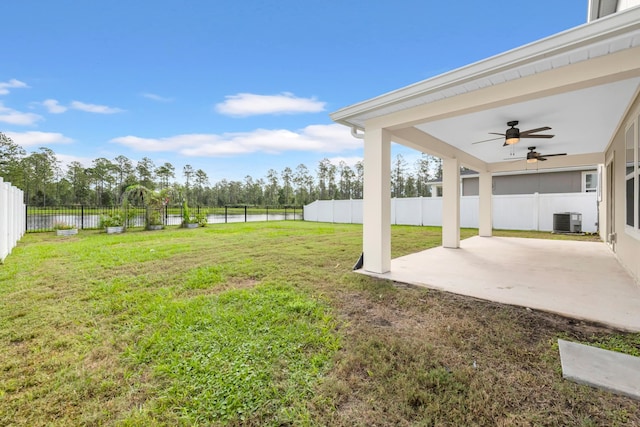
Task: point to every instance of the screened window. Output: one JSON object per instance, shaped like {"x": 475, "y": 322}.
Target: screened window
{"x": 630, "y": 163}
{"x": 632, "y": 175}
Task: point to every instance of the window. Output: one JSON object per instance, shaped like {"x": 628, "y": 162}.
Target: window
{"x": 435, "y": 190}
{"x": 589, "y": 182}
{"x": 632, "y": 176}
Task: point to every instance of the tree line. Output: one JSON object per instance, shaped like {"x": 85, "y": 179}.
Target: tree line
{"x": 45, "y": 182}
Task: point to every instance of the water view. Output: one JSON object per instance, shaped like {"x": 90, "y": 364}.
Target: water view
{"x": 39, "y": 222}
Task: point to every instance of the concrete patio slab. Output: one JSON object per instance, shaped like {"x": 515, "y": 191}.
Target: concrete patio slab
{"x": 581, "y": 280}
{"x": 608, "y": 370}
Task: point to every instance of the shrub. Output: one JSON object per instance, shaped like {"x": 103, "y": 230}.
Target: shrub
{"x": 116, "y": 219}
{"x": 63, "y": 226}
{"x": 202, "y": 219}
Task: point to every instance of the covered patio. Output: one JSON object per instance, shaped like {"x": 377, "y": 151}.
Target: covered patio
{"x": 576, "y": 97}
{"x": 581, "y": 280}
{"x": 576, "y": 86}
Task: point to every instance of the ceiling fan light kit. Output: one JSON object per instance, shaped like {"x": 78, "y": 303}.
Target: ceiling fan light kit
{"x": 533, "y": 156}
{"x": 512, "y": 135}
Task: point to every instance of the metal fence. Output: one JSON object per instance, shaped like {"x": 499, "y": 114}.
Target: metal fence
{"x": 49, "y": 218}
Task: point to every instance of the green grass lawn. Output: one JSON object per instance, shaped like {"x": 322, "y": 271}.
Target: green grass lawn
{"x": 265, "y": 324}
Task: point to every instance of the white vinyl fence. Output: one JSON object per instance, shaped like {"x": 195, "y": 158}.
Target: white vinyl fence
{"x": 12, "y": 217}
{"x": 510, "y": 212}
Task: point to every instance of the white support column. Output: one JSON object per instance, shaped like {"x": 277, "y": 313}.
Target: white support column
{"x": 376, "y": 215}
{"x": 450, "y": 203}
{"x": 485, "y": 217}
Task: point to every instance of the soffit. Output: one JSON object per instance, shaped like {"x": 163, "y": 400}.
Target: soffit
{"x": 582, "y": 122}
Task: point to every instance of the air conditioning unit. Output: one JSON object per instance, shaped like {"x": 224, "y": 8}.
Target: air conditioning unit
{"x": 567, "y": 222}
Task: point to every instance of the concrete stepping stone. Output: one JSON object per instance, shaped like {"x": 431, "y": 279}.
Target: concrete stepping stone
{"x": 608, "y": 370}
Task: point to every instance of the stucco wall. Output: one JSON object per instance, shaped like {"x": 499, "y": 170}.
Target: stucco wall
{"x": 628, "y": 244}
{"x": 543, "y": 183}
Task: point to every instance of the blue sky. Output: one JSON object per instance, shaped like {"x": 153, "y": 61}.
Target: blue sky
{"x": 234, "y": 87}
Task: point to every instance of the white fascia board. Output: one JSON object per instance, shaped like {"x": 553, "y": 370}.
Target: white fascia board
{"x": 592, "y": 10}
{"x": 567, "y": 41}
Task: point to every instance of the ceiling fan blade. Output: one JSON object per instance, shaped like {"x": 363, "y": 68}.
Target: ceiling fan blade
{"x": 541, "y": 159}
{"x": 495, "y": 133}
{"x": 552, "y": 155}
{"x": 485, "y": 140}
{"x": 536, "y": 136}
{"x": 527, "y": 132}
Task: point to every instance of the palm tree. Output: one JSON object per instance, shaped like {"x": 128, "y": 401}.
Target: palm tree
{"x": 153, "y": 200}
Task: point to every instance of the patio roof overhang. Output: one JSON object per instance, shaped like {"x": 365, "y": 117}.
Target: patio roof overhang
{"x": 579, "y": 82}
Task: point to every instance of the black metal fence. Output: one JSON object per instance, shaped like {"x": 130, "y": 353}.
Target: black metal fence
{"x": 90, "y": 217}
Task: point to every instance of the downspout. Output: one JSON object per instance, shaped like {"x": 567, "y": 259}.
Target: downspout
{"x": 355, "y": 134}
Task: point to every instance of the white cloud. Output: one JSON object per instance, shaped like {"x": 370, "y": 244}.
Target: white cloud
{"x": 249, "y": 104}
{"x": 94, "y": 108}
{"x": 35, "y": 138}
{"x": 316, "y": 138}
{"x": 155, "y": 97}
{"x": 14, "y": 117}
{"x": 11, "y": 84}
{"x": 53, "y": 106}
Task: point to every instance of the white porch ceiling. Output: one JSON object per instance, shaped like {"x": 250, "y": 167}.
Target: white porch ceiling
{"x": 582, "y": 121}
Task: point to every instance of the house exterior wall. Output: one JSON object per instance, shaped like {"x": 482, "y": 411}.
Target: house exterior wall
{"x": 471, "y": 186}
{"x": 627, "y": 241}
{"x": 543, "y": 183}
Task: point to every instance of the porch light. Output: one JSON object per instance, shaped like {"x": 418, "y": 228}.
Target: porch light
{"x": 531, "y": 157}
{"x": 512, "y": 136}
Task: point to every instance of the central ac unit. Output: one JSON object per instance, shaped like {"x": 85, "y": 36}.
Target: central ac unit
{"x": 567, "y": 222}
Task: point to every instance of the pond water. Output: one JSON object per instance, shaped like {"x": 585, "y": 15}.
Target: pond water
{"x": 37, "y": 222}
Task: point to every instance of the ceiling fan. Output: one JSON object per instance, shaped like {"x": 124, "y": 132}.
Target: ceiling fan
{"x": 533, "y": 156}
{"x": 513, "y": 134}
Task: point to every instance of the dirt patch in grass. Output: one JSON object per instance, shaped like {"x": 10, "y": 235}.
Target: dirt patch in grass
{"x": 425, "y": 357}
